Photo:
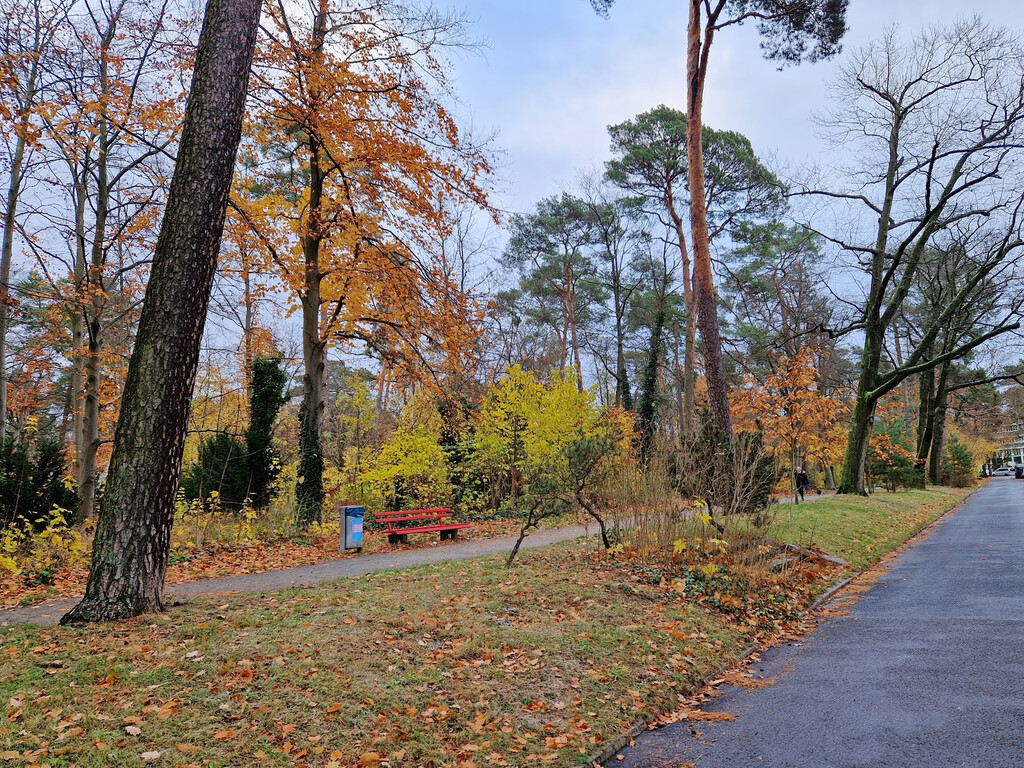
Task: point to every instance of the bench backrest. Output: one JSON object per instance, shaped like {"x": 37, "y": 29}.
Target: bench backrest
{"x": 412, "y": 515}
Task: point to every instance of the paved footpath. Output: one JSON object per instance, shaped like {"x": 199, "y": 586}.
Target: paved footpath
{"x": 49, "y": 613}
{"x": 927, "y": 670}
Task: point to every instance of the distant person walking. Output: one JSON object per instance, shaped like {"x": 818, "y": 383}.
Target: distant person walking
{"x": 803, "y": 482}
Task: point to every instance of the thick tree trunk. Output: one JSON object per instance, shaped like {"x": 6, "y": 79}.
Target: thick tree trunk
{"x": 704, "y": 284}
{"x": 132, "y": 544}
{"x": 852, "y": 479}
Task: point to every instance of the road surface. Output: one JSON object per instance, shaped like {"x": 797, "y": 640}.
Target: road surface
{"x": 927, "y": 670}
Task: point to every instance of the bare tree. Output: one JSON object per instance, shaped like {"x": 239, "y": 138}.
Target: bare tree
{"x": 938, "y": 121}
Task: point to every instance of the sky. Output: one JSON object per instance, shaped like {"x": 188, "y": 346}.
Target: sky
{"x": 553, "y": 75}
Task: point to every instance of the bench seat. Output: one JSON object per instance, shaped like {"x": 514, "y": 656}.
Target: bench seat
{"x": 439, "y": 519}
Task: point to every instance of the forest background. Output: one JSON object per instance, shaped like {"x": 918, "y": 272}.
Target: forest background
{"x": 392, "y": 328}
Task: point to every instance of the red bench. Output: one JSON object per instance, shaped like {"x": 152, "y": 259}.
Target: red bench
{"x": 429, "y": 520}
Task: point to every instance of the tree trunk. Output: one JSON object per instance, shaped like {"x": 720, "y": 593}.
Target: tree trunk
{"x": 77, "y": 396}
{"x": 704, "y": 286}
{"x": 938, "y": 424}
{"x": 86, "y": 470}
{"x": 623, "y": 395}
{"x": 570, "y": 310}
{"x": 10, "y": 223}
{"x": 852, "y": 478}
{"x": 133, "y": 534}
{"x": 925, "y": 424}
{"x": 309, "y": 490}
{"x": 689, "y": 304}
{"x": 830, "y": 478}
{"x": 650, "y": 396}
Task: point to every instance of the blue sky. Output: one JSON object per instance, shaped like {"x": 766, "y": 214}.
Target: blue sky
{"x": 555, "y": 75}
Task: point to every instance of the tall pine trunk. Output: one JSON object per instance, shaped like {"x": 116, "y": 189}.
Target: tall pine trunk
{"x": 704, "y": 284}
{"x": 133, "y": 533}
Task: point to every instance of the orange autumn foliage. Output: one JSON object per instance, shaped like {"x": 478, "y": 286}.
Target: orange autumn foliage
{"x": 795, "y": 417}
{"x": 351, "y": 165}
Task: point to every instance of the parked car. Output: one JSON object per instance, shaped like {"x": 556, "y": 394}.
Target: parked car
{"x": 1003, "y": 472}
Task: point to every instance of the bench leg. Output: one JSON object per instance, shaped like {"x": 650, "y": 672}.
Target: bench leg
{"x": 397, "y": 538}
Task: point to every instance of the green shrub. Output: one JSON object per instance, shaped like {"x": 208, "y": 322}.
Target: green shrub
{"x": 32, "y": 483}
{"x": 958, "y": 464}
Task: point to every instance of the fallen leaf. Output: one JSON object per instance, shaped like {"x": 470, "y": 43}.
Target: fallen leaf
{"x": 149, "y": 757}
{"x": 133, "y": 730}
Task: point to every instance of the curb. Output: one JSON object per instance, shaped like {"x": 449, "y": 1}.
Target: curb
{"x": 827, "y": 595}
{"x": 616, "y": 744}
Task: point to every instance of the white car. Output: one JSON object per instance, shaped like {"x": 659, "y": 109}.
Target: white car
{"x": 1003, "y": 472}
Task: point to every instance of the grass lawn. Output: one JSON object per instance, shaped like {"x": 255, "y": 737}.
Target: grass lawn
{"x": 463, "y": 664}
{"x": 862, "y": 531}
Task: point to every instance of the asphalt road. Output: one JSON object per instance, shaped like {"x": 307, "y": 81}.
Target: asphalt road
{"x": 927, "y": 670}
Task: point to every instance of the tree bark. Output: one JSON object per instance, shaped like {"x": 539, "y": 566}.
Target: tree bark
{"x": 704, "y": 286}
{"x": 570, "y": 308}
{"x": 133, "y": 534}
{"x": 648, "y": 407}
{"x": 852, "y": 479}
{"x": 926, "y": 403}
{"x": 309, "y": 489}
{"x": 689, "y": 303}
{"x": 938, "y": 427}
{"x": 86, "y": 471}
